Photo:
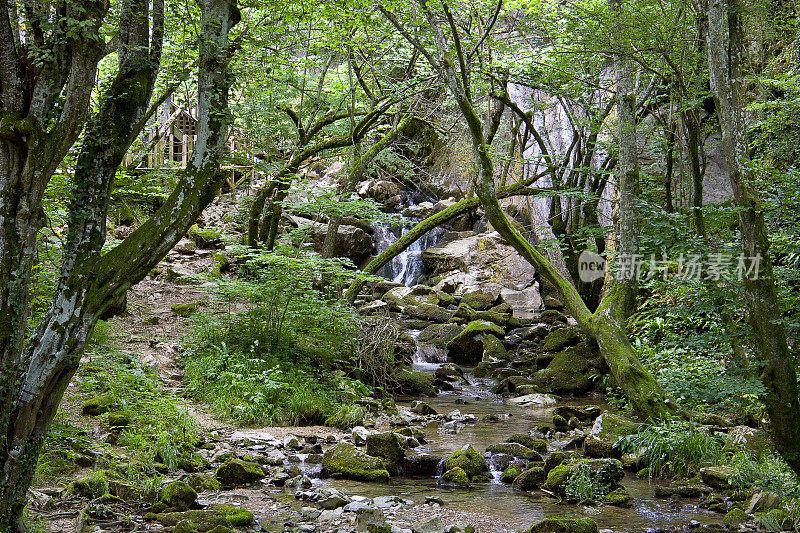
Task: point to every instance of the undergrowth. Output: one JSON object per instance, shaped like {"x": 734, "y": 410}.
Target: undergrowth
{"x": 161, "y": 434}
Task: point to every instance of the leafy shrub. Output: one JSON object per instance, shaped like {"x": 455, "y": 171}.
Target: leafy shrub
{"x": 769, "y": 472}
{"x": 674, "y": 448}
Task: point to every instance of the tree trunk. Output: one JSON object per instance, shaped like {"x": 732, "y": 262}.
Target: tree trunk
{"x": 725, "y": 48}
{"x": 90, "y": 283}
{"x": 646, "y": 395}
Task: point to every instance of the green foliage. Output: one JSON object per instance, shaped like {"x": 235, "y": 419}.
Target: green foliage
{"x": 583, "y": 486}
{"x": 270, "y": 358}
{"x": 347, "y": 416}
{"x": 674, "y": 448}
{"x": 769, "y": 473}
{"x": 703, "y": 381}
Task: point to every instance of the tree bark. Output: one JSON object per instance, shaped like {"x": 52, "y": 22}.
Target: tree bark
{"x": 725, "y": 48}
{"x": 91, "y": 283}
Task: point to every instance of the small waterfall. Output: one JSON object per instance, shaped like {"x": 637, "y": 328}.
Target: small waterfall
{"x": 407, "y": 266}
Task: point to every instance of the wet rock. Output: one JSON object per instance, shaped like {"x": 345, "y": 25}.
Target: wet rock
{"x": 415, "y": 383}
{"x": 584, "y": 414}
{"x": 422, "y": 465}
{"x": 449, "y": 372}
{"x": 530, "y": 479}
{"x": 455, "y": 476}
{"x": 345, "y": 460}
{"x": 291, "y": 442}
{"x": 236, "y": 472}
{"x": 515, "y": 450}
{"x": 554, "y": 459}
{"x": 422, "y": 408}
{"x": 600, "y": 449}
{"x": 469, "y": 460}
{"x": 734, "y": 518}
{"x": 386, "y": 447}
{"x": 560, "y": 524}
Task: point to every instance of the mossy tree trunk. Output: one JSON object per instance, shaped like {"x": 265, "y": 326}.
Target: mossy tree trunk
{"x": 645, "y": 394}
{"x": 725, "y": 49}
{"x": 90, "y": 284}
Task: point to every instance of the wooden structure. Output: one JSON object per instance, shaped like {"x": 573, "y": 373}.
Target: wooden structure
{"x": 169, "y": 145}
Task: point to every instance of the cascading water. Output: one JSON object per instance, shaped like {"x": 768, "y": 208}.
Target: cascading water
{"x": 407, "y": 266}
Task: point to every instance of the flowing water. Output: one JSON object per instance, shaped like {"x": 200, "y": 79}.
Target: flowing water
{"x": 407, "y": 266}
{"x": 516, "y": 508}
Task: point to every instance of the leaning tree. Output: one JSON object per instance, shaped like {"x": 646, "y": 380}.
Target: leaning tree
{"x": 49, "y": 55}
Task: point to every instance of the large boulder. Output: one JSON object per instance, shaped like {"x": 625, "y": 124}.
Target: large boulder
{"x": 481, "y": 257}
{"x": 236, "y": 472}
{"x": 414, "y": 383}
{"x": 179, "y": 496}
{"x": 439, "y": 335}
{"x": 351, "y": 242}
{"x": 608, "y": 428}
{"x": 469, "y": 460}
{"x": 467, "y": 347}
{"x": 386, "y": 446}
{"x": 345, "y": 460}
{"x": 569, "y": 372}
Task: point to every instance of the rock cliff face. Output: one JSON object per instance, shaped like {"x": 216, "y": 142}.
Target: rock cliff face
{"x": 483, "y": 261}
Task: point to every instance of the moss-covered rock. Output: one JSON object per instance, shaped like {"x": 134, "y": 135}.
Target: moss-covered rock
{"x": 216, "y": 518}
{"x": 92, "y": 486}
{"x": 439, "y": 334}
{"x": 468, "y": 459}
{"x": 185, "y": 310}
{"x": 236, "y": 472}
{"x": 559, "y": 524}
{"x": 179, "y": 496}
{"x": 455, "y": 476}
{"x": 735, "y": 517}
{"x": 719, "y": 477}
{"x": 119, "y": 420}
{"x": 204, "y": 482}
{"x": 493, "y": 348}
{"x": 515, "y": 449}
{"x": 415, "y": 383}
{"x": 529, "y": 441}
{"x": 559, "y": 339}
{"x": 555, "y": 459}
{"x": 510, "y": 474}
{"x": 207, "y": 238}
{"x": 557, "y": 479}
{"x": 530, "y": 479}
{"x": 567, "y": 373}
{"x": 479, "y": 300}
{"x": 467, "y": 347}
{"x": 345, "y": 460}
{"x": 619, "y": 498}
{"x": 98, "y": 405}
{"x": 385, "y": 446}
